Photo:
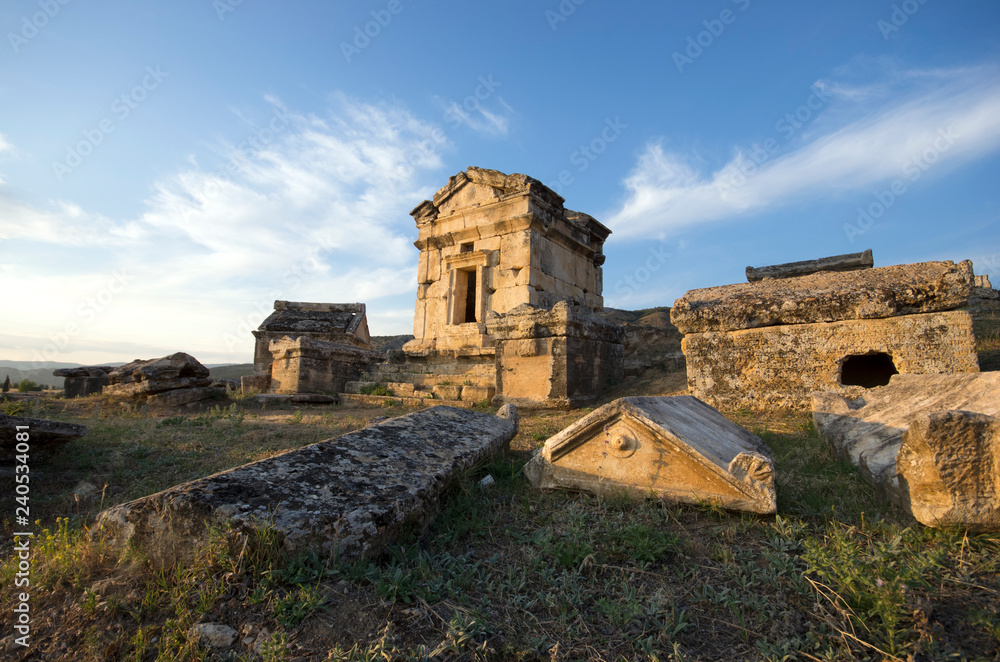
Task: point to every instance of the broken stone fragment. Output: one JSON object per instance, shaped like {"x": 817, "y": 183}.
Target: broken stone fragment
{"x": 141, "y": 389}
{"x": 869, "y": 431}
{"x": 344, "y": 497}
{"x": 677, "y": 448}
{"x": 184, "y": 396}
{"x": 41, "y": 432}
{"x": 848, "y": 262}
{"x": 949, "y": 470}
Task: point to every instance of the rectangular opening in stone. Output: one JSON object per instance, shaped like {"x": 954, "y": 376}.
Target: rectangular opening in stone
{"x": 463, "y": 301}
{"x": 867, "y": 370}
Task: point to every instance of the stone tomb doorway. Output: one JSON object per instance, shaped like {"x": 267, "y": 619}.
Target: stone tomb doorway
{"x": 867, "y": 370}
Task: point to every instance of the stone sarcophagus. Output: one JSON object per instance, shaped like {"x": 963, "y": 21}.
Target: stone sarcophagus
{"x": 773, "y": 342}
{"x": 339, "y": 323}
{"x": 677, "y": 448}
{"x": 563, "y": 357}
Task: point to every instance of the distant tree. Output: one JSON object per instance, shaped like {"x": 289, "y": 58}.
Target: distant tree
{"x": 6, "y": 384}
{"x": 27, "y": 385}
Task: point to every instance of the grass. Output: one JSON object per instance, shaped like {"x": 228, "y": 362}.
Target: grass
{"x": 505, "y": 573}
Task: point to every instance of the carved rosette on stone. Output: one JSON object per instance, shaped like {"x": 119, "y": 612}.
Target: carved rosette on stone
{"x": 563, "y": 357}
{"x": 773, "y": 342}
{"x": 678, "y": 448}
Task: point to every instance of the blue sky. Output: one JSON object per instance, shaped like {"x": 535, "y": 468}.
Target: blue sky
{"x": 167, "y": 170}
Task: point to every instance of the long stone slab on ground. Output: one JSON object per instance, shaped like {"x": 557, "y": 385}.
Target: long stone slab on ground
{"x": 869, "y": 431}
{"x": 675, "y": 447}
{"x": 41, "y": 432}
{"x": 902, "y": 289}
{"x": 344, "y": 497}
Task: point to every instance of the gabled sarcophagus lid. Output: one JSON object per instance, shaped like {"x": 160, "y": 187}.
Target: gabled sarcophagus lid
{"x": 678, "y": 448}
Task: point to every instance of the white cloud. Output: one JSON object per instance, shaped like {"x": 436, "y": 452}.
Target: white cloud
{"x": 314, "y": 210}
{"x": 5, "y": 145}
{"x": 950, "y": 117}
{"x": 474, "y": 114}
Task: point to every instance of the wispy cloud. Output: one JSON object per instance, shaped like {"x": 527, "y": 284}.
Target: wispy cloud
{"x": 869, "y": 136}
{"x": 314, "y": 210}
{"x": 5, "y": 145}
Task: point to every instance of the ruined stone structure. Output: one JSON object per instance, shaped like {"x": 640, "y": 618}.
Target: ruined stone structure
{"x": 771, "y": 343}
{"x": 677, "y": 448}
{"x": 928, "y": 443}
{"x": 497, "y": 254}
{"x": 178, "y": 379}
{"x": 343, "y": 498}
{"x": 311, "y": 347}
{"x": 340, "y": 323}
{"x": 84, "y": 380}
{"x": 492, "y": 242}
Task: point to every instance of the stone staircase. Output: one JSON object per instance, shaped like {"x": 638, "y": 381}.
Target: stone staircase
{"x": 418, "y": 382}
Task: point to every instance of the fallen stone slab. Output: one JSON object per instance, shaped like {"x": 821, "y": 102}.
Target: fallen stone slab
{"x": 869, "y": 431}
{"x": 947, "y": 468}
{"x": 41, "y": 432}
{"x": 313, "y": 399}
{"x": 185, "y": 396}
{"x": 879, "y": 293}
{"x": 141, "y": 389}
{"x": 848, "y": 262}
{"x": 345, "y": 497}
{"x": 676, "y": 447}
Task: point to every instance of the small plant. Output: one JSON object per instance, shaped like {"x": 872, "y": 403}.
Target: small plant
{"x": 467, "y": 382}
{"x": 296, "y": 418}
{"x": 296, "y": 606}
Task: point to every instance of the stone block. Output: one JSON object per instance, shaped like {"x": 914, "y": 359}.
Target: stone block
{"x": 477, "y": 393}
{"x": 949, "y": 470}
{"x": 779, "y": 367}
{"x": 677, "y": 448}
{"x": 447, "y": 392}
{"x": 826, "y": 297}
{"x": 869, "y": 431}
{"x": 140, "y": 390}
{"x": 305, "y": 365}
{"x": 563, "y": 357}
{"x": 344, "y": 498}
{"x": 255, "y": 383}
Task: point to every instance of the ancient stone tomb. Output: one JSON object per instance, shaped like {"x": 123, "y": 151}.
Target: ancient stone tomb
{"x": 677, "y": 448}
{"x": 772, "y": 342}
{"x": 508, "y": 279}
{"x": 311, "y": 347}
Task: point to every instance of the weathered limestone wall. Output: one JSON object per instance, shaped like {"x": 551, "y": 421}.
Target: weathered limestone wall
{"x": 305, "y": 365}
{"x": 563, "y": 357}
{"x": 344, "y": 498}
{"x": 773, "y": 342}
{"x": 780, "y": 366}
